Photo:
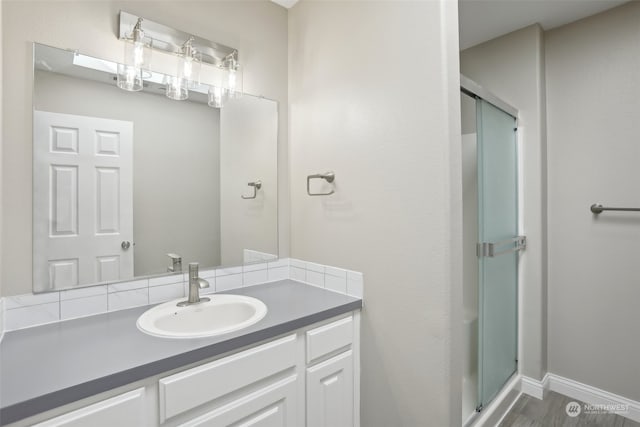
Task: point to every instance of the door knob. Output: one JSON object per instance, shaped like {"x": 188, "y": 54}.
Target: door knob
{"x": 125, "y": 245}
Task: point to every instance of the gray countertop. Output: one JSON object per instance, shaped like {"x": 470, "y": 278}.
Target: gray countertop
{"x": 48, "y": 366}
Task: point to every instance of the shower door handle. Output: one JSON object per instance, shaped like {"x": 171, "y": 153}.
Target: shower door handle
{"x": 494, "y": 249}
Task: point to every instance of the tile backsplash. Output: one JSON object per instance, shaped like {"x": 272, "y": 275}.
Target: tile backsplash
{"x": 22, "y": 311}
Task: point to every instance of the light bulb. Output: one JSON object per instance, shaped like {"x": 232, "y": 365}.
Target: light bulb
{"x": 138, "y": 54}
{"x": 233, "y": 81}
{"x": 188, "y": 68}
{"x": 189, "y": 64}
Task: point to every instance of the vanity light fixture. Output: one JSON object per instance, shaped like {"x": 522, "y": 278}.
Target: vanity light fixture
{"x": 201, "y": 62}
{"x": 137, "y": 53}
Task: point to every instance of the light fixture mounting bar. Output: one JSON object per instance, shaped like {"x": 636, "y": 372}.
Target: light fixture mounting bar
{"x": 171, "y": 40}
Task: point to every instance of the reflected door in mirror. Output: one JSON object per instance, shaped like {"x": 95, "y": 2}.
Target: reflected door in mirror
{"x": 83, "y": 200}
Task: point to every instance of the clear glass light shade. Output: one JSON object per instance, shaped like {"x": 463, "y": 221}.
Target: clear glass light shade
{"x": 233, "y": 83}
{"x": 137, "y": 55}
{"x": 176, "y": 88}
{"x": 217, "y": 96}
{"x": 129, "y": 78}
{"x": 189, "y": 70}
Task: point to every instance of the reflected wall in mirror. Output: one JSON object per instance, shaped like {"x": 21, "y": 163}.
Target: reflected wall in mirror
{"x": 132, "y": 184}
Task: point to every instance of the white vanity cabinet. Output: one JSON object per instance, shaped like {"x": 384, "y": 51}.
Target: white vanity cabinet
{"x": 330, "y": 379}
{"x": 309, "y": 377}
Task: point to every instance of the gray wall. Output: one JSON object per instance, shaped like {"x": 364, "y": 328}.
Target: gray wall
{"x": 176, "y": 158}
{"x": 593, "y": 94}
{"x": 374, "y": 97}
{"x": 258, "y": 29}
{"x": 512, "y": 67}
{"x": 248, "y": 132}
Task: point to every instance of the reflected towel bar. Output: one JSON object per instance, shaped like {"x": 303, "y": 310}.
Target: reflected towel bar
{"x": 598, "y": 208}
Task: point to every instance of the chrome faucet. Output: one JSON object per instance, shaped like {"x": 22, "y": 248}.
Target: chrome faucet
{"x": 195, "y": 284}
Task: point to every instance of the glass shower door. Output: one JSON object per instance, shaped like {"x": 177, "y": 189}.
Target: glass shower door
{"x": 497, "y": 250}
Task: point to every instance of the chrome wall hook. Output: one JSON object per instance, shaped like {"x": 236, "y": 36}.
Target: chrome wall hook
{"x": 327, "y": 176}
{"x": 256, "y": 186}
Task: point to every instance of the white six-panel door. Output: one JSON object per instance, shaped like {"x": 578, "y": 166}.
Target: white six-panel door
{"x": 83, "y": 200}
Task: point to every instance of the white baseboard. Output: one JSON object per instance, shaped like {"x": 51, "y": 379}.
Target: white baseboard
{"x": 493, "y": 413}
{"x": 533, "y": 387}
{"x": 579, "y": 391}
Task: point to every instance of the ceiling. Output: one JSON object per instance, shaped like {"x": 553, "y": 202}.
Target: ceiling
{"x": 482, "y": 20}
{"x": 285, "y": 3}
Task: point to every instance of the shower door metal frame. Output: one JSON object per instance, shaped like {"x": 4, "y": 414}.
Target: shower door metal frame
{"x": 476, "y": 91}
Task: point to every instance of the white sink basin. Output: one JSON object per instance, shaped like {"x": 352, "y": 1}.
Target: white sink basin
{"x": 220, "y": 315}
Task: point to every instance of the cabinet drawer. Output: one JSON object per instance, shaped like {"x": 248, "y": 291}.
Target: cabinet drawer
{"x": 124, "y": 410}
{"x": 328, "y": 338}
{"x": 274, "y": 405}
{"x": 186, "y": 390}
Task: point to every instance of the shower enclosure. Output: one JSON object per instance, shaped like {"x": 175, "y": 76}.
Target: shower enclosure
{"x": 491, "y": 245}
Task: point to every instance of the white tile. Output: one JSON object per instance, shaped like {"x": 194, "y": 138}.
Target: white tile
{"x": 128, "y": 299}
{"x": 312, "y": 266}
{"x": 27, "y": 300}
{"x": 337, "y": 272}
{"x": 278, "y": 273}
{"x": 228, "y": 270}
{"x": 231, "y": 281}
{"x": 254, "y": 267}
{"x": 297, "y": 273}
{"x": 255, "y": 277}
{"x": 315, "y": 278}
{"x": 354, "y": 275}
{"x": 23, "y": 317}
{"x": 84, "y": 292}
{"x": 282, "y": 262}
{"x": 205, "y": 274}
{"x": 338, "y": 284}
{"x": 128, "y": 286}
{"x": 355, "y": 288}
{"x": 166, "y": 280}
{"x": 297, "y": 263}
{"x": 164, "y": 293}
{"x": 79, "y": 307}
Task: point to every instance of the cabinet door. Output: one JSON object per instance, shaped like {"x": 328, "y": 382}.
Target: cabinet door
{"x": 330, "y": 392}
{"x": 124, "y": 410}
{"x": 272, "y": 406}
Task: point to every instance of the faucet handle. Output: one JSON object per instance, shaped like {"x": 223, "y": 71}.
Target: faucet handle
{"x": 176, "y": 263}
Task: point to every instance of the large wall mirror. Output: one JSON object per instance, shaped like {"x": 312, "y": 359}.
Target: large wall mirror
{"x": 133, "y": 184}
